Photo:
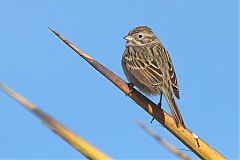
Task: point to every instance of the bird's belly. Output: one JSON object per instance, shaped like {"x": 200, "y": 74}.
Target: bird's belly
{"x": 155, "y": 90}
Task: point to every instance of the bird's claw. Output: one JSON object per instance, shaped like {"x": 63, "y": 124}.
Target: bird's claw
{"x": 130, "y": 86}
{"x": 159, "y": 105}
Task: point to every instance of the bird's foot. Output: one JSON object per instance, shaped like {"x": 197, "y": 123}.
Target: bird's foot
{"x": 159, "y": 106}
{"x": 152, "y": 120}
{"x": 130, "y": 86}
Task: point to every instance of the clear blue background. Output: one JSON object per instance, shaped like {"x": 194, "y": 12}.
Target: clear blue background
{"x": 201, "y": 36}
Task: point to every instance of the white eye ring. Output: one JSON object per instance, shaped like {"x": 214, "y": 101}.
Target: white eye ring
{"x": 140, "y": 36}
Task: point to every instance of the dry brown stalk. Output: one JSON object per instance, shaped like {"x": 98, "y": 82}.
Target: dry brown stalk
{"x": 167, "y": 145}
{"x": 197, "y": 145}
{"x": 77, "y": 142}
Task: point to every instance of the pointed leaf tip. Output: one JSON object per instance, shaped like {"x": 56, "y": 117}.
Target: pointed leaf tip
{"x": 3, "y": 87}
{"x": 51, "y": 29}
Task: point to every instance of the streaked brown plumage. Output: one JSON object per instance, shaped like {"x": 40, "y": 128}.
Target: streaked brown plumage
{"x": 148, "y": 66}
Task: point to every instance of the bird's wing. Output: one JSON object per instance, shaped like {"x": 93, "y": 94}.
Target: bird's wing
{"x": 143, "y": 67}
{"x": 172, "y": 74}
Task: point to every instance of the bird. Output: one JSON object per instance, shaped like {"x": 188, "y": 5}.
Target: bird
{"x": 148, "y": 66}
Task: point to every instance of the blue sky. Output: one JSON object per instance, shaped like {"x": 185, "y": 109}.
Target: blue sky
{"x": 201, "y": 37}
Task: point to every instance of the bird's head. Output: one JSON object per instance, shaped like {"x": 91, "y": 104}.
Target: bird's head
{"x": 141, "y": 36}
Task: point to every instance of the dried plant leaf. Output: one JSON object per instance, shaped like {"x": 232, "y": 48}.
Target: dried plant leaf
{"x": 199, "y": 147}
{"x": 167, "y": 145}
{"x": 77, "y": 142}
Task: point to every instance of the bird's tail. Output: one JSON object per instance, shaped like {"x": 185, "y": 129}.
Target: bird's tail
{"x": 174, "y": 110}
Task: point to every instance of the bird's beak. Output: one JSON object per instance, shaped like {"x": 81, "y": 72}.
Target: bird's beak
{"x": 128, "y": 38}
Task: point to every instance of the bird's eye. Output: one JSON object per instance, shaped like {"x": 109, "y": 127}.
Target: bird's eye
{"x": 140, "y": 36}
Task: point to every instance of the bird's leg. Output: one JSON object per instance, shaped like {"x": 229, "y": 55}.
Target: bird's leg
{"x": 160, "y": 102}
{"x": 130, "y": 86}
{"x": 159, "y": 105}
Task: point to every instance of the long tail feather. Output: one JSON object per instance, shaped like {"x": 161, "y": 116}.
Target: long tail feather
{"x": 176, "y": 114}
